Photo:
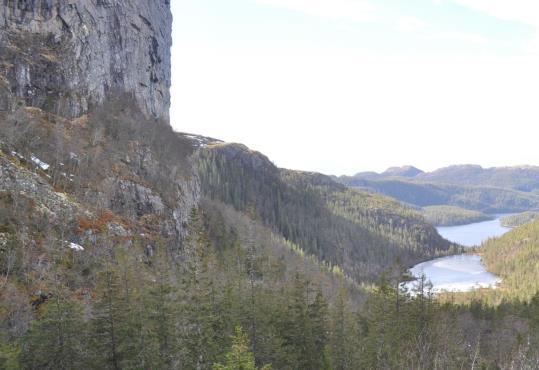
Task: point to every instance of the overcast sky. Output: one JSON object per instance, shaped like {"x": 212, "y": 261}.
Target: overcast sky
{"x": 342, "y": 86}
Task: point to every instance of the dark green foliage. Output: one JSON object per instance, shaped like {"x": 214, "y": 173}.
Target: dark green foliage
{"x": 155, "y": 313}
{"x": 113, "y": 337}
{"x": 137, "y": 297}
{"x": 304, "y": 328}
{"x": 480, "y": 198}
{"x": 198, "y": 309}
{"x": 360, "y": 232}
{"x": 239, "y": 358}
{"x": 519, "y": 219}
{"x": 56, "y": 340}
{"x": 514, "y": 257}
{"x": 452, "y": 216}
{"x": 162, "y": 310}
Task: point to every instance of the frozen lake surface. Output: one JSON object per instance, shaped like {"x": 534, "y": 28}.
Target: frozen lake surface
{"x": 460, "y": 273}
{"x": 463, "y": 272}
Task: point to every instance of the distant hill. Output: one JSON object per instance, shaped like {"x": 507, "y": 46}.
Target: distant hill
{"x": 405, "y": 171}
{"x": 479, "y": 198}
{"x": 492, "y": 190}
{"x": 522, "y": 178}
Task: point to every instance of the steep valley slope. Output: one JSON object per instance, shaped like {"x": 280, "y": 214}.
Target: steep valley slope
{"x": 361, "y": 232}
{"x": 124, "y": 244}
{"x": 97, "y": 192}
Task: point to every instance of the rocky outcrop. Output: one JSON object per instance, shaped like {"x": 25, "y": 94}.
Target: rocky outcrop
{"x": 53, "y": 206}
{"x": 66, "y": 56}
{"x": 96, "y": 73}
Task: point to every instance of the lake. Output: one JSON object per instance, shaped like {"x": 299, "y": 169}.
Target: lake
{"x": 463, "y": 272}
{"x": 473, "y": 234}
{"x": 455, "y": 274}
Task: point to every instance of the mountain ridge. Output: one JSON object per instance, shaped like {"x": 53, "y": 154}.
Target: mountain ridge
{"x": 523, "y": 177}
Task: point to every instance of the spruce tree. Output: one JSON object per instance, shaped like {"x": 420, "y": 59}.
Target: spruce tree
{"x": 294, "y": 327}
{"x": 239, "y": 357}
{"x": 161, "y": 312}
{"x": 111, "y": 333}
{"x": 199, "y": 348}
{"x": 56, "y": 340}
{"x": 318, "y": 335}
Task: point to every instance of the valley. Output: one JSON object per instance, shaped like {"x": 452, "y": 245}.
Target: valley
{"x": 489, "y": 191}
{"x": 464, "y": 272}
{"x": 127, "y": 243}
{"x": 474, "y": 234}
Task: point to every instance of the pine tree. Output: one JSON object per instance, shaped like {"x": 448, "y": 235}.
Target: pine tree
{"x": 345, "y": 336}
{"x": 138, "y": 344}
{"x": 380, "y": 325}
{"x": 318, "y": 335}
{"x": 304, "y": 330}
{"x": 198, "y": 306}
{"x": 161, "y": 314}
{"x": 253, "y": 272}
{"x": 111, "y": 333}
{"x": 55, "y": 341}
{"x": 239, "y": 358}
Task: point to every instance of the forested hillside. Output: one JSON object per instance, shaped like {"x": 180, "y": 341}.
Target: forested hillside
{"x": 127, "y": 245}
{"x": 110, "y": 259}
{"x": 422, "y": 194}
{"x": 361, "y": 232}
{"x": 519, "y": 219}
{"x": 523, "y": 178}
{"x": 514, "y": 257}
{"x": 98, "y": 278}
{"x": 451, "y": 215}
{"x": 472, "y": 187}
{"x": 101, "y": 268}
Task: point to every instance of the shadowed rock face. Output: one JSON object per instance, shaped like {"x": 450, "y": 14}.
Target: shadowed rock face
{"x": 66, "y": 56}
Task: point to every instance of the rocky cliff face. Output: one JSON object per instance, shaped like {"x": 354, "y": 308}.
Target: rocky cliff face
{"x": 84, "y": 86}
{"x": 66, "y": 56}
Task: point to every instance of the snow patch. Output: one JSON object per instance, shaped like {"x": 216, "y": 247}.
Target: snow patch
{"x": 460, "y": 273}
{"x": 76, "y": 247}
{"x": 15, "y": 154}
{"x": 198, "y": 139}
{"x": 38, "y": 162}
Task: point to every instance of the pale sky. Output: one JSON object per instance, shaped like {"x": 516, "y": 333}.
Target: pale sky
{"x": 343, "y": 86}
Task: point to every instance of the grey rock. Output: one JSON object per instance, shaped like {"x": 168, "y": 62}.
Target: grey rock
{"x": 136, "y": 198}
{"x": 57, "y": 206}
{"x": 4, "y": 239}
{"x": 66, "y": 56}
{"x": 117, "y": 230}
{"x": 76, "y": 57}
{"x": 188, "y": 197}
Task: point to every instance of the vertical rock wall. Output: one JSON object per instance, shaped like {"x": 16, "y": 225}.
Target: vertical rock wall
{"x": 66, "y": 56}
